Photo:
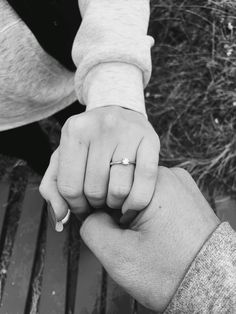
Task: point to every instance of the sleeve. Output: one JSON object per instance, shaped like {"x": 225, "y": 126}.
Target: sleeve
{"x": 210, "y": 283}
{"x": 112, "y": 53}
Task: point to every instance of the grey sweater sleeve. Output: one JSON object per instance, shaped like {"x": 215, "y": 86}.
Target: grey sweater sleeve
{"x": 210, "y": 283}
{"x": 112, "y": 53}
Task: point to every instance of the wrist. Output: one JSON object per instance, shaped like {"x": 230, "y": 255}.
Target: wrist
{"x": 118, "y": 84}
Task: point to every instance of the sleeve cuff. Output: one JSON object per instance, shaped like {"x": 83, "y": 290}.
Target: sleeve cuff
{"x": 113, "y": 32}
{"x": 114, "y": 83}
{"x": 136, "y": 53}
{"x": 210, "y": 283}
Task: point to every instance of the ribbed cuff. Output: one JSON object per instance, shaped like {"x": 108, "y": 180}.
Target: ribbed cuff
{"x": 136, "y": 53}
{"x": 114, "y": 84}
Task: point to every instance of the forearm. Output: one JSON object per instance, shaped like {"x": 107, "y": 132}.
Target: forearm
{"x": 112, "y": 53}
{"x": 210, "y": 283}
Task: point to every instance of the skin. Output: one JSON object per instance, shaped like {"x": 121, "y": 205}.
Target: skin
{"x": 79, "y": 175}
{"x": 151, "y": 257}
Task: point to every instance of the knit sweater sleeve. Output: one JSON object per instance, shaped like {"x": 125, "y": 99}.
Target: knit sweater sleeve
{"x": 210, "y": 283}
{"x": 112, "y": 53}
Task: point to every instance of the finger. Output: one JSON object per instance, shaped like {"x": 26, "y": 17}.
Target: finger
{"x": 121, "y": 176}
{"x": 145, "y": 176}
{"x": 71, "y": 171}
{"x": 49, "y": 191}
{"x": 99, "y": 231}
{"x": 97, "y": 174}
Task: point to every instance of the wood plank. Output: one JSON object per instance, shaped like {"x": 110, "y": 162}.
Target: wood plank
{"x": 4, "y": 191}
{"x": 53, "y": 296}
{"x": 89, "y": 283}
{"x": 226, "y": 210}
{"x": 19, "y": 271}
{"x": 118, "y": 301}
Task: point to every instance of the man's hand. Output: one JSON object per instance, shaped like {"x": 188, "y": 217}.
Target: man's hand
{"x": 150, "y": 259}
{"x": 79, "y": 174}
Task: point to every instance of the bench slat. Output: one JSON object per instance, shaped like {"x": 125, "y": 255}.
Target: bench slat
{"x": 53, "y": 295}
{"x": 19, "y": 272}
{"x": 4, "y": 191}
{"x": 118, "y": 301}
{"x": 89, "y": 283}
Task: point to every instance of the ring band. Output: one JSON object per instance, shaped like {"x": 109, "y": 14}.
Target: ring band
{"x": 60, "y": 224}
{"x": 67, "y": 217}
{"x": 124, "y": 162}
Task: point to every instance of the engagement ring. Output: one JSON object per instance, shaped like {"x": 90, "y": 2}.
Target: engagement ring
{"x": 60, "y": 224}
{"x": 124, "y": 162}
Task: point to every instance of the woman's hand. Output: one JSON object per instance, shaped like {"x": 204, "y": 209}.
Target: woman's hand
{"x": 150, "y": 259}
{"x": 80, "y": 175}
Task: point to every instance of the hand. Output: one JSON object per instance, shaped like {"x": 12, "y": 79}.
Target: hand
{"x": 79, "y": 174}
{"x": 150, "y": 259}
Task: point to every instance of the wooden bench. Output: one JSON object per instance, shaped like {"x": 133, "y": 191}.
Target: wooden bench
{"x": 45, "y": 272}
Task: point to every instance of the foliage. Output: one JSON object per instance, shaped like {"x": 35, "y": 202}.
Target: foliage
{"x": 191, "y": 98}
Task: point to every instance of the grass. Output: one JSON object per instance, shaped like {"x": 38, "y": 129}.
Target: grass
{"x": 191, "y": 98}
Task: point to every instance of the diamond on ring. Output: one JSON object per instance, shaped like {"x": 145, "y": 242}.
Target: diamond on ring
{"x": 125, "y": 161}
{"x": 59, "y": 226}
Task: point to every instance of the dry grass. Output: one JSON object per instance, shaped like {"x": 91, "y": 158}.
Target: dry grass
{"x": 192, "y": 96}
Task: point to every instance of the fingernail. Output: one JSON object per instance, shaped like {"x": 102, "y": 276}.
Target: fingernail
{"x": 128, "y": 217}
{"x": 52, "y": 216}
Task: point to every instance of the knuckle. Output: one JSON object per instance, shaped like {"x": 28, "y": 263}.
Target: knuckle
{"x": 73, "y": 125}
{"x": 94, "y": 194}
{"x": 69, "y": 125}
{"x": 68, "y": 192}
{"x": 119, "y": 192}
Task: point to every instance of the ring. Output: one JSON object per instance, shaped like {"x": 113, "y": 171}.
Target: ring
{"x": 60, "y": 224}
{"x": 66, "y": 219}
{"x": 124, "y": 162}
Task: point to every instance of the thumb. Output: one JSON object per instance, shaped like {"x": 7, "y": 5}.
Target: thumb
{"x": 106, "y": 240}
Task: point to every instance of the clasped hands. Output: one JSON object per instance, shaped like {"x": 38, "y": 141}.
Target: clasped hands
{"x": 79, "y": 175}
{"x": 151, "y": 257}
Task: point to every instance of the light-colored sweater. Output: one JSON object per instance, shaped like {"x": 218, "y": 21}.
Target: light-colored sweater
{"x": 111, "y": 52}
